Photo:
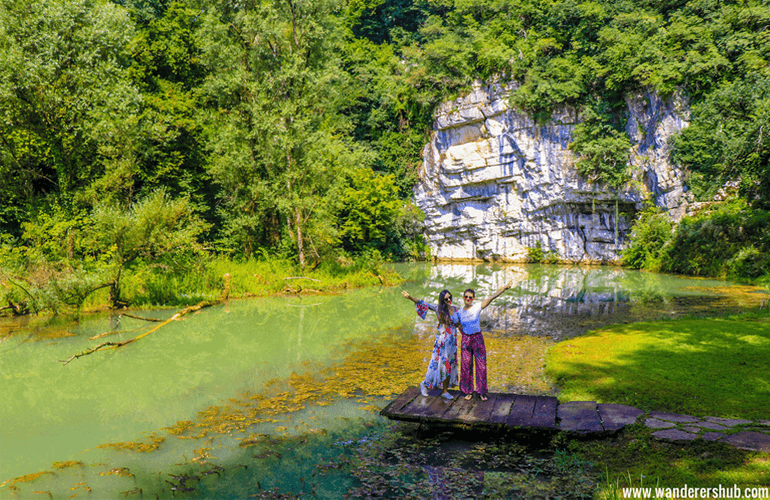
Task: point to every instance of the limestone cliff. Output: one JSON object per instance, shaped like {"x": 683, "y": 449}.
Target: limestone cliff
{"x": 494, "y": 183}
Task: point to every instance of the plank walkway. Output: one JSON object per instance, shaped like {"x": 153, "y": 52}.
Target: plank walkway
{"x": 520, "y": 411}
{"x": 510, "y": 411}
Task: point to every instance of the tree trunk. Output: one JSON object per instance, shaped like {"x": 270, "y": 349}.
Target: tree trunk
{"x": 115, "y": 299}
{"x": 617, "y": 220}
{"x": 300, "y": 246}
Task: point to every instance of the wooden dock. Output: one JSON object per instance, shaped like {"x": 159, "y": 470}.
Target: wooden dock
{"x": 510, "y": 411}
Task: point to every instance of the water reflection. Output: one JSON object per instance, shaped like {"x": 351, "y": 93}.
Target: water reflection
{"x": 561, "y": 302}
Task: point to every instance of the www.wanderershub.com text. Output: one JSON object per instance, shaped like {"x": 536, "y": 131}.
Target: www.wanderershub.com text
{"x": 691, "y": 492}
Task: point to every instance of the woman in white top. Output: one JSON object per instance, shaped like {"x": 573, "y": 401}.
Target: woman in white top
{"x": 472, "y": 345}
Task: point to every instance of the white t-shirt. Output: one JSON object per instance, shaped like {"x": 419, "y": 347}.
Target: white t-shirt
{"x": 469, "y": 318}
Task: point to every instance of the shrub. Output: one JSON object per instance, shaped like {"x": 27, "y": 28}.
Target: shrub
{"x": 650, "y": 233}
{"x": 730, "y": 241}
{"x": 749, "y": 262}
{"x": 537, "y": 255}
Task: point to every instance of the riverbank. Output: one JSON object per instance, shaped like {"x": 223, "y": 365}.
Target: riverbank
{"x": 714, "y": 366}
{"x": 154, "y": 287}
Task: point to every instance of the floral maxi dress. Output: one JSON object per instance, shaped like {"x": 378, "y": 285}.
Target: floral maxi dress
{"x": 443, "y": 359}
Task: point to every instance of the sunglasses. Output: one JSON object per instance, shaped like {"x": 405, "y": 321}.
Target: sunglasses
{"x": 468, "y": 297}
{"x": 447, "y": 299}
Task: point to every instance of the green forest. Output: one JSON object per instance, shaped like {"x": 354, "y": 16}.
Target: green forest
{"x": 149, "y": 146}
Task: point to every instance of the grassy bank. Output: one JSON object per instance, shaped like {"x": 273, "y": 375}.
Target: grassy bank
{"x": 702, "y": 367}
{"x": 715, "y": 366}
{"x": 249, "y": 278}
{"x": 156, "y": 286}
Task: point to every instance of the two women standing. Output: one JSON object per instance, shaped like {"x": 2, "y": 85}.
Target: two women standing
{"x": 442, "y": 368}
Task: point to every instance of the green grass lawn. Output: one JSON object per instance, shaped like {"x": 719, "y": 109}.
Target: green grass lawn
{"x": 702, "y": 367}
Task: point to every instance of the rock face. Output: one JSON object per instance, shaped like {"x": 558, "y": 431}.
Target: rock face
{"x": 494, "y": 183}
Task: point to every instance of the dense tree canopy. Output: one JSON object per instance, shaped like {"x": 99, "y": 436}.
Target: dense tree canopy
{"x": 267, "y": 119}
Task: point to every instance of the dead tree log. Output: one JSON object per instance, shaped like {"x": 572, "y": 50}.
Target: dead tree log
{"x": 96, "y": 348}
{"x": 176, "y": 316}
{"x": 186, "y": 310}
{"x": 114, "y": 332}
{"x": 19, "y": 309}
{"x": 156, "y": 320}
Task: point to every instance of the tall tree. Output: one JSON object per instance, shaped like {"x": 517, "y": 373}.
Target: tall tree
{"x": 157, "y": 229}
{"x": 66, "y": 105}
{"x": 276, "y": 137}
{"x": 167, "y": 69}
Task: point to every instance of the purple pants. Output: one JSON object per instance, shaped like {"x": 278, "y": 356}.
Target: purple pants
{"x": 472, "y": 347}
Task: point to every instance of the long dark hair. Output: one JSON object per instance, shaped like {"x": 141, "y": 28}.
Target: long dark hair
{"x": 444, "y": 313}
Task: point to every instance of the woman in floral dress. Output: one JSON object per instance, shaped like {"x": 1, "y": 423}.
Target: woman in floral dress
{"x": 442, "y": 369}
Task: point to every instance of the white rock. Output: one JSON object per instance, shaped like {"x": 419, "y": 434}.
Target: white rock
{"x": 494, "y": 183}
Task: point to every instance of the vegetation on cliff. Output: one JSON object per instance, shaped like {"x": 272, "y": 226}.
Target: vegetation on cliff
{"x": 725, "y": 239}
{"x": 294, "y": 128}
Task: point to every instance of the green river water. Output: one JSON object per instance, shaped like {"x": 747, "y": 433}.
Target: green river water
{"x": 261, "y": 397}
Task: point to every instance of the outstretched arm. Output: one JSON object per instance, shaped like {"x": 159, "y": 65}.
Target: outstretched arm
{"x": 495, "y": 295}
{"x": 406, "y": 295}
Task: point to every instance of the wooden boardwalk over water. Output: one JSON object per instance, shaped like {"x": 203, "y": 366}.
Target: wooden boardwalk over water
{"x": 510, "y": 411}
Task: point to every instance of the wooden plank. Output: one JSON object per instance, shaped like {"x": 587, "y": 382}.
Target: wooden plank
{"x": 544, "y": 414}
{"x": 437, "y": 409}
{"x": 581, "y": 417}
{"x": 402, "y": 400}
{"x": 502, "y": 408}
{"x": 459, "y": 409}
{"x": 417, "y": 406}
{"x": 521, "y": 411}
{"x": 482, "y": 409}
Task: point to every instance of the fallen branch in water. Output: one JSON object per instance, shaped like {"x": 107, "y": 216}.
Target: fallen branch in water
{"x": 139, "y": 317}
{"x": 187, "y": 310}
{"x": 181, "y": 313}
{"x": 105, "y": 334}
{"x": 96, "y": 348}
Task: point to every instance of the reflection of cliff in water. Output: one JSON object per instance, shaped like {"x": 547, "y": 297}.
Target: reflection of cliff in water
{"x": 555, "y": 317}
{"x": 562, "y": 301}
{"x": 559, "y": 308}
